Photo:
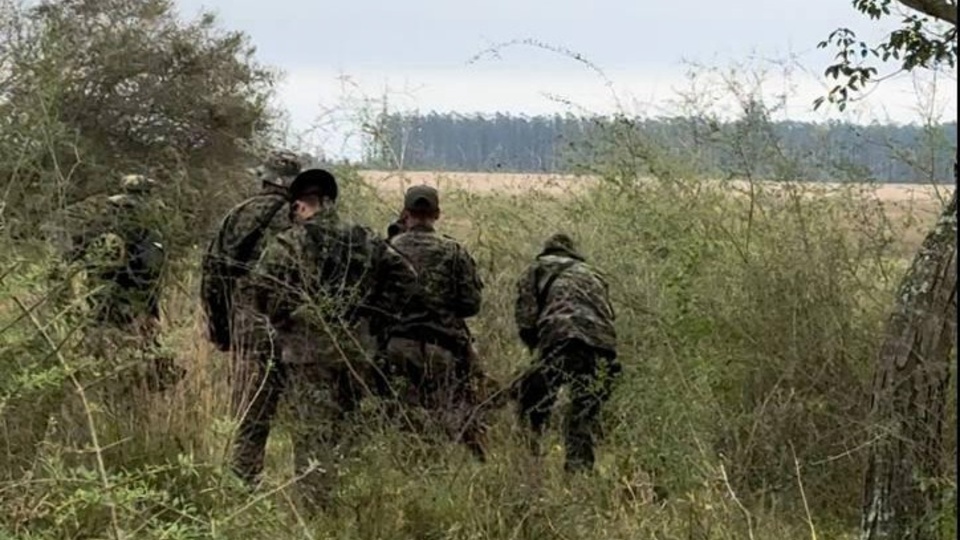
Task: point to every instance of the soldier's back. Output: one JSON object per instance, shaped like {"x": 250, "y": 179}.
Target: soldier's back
{"x": 447, "y": 274}
{"x": 227, "y": 263}
{"x": 576, "y": 304}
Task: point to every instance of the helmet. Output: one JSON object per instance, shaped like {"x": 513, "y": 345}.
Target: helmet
{"x": 132, "y": 186}
{"x": 279, "y": 168}
{"x": 136, "y": 183}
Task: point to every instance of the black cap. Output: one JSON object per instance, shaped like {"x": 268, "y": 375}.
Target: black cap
{"x": 423, "y": 198}
{"x": 316, "y": 182}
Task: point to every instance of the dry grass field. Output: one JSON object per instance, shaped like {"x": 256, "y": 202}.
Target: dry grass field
{"x": 911, "y": 208}
{"x": 518, "y": 183}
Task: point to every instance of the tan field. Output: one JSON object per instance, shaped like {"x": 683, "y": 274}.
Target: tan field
{"x": 515, "y": 183}
{"x": 911, "y": 209}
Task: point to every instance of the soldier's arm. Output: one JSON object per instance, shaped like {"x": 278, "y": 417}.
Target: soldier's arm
{"x": 469, "y": 286}
{"x": 605, "y": 287}
{"x": 216, "y": 292}
{"x": 272, "y": 283}
{"x": 236, "y": 226}
{"x": 526, "y": 311}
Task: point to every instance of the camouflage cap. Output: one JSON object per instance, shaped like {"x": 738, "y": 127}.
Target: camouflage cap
{"x": 560, "y": 242}
{"x": 136, "y": 183}
{"x": 280, "y": 167}
{"x": 132, "y": 186}
{"x": 423, "y": 198}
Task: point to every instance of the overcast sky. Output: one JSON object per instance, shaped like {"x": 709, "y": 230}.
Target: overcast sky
{"x": 418, "y": 53}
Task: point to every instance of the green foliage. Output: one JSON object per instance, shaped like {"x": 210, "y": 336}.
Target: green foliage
{"x": 926, "y": 39}
{"x": 95, "y": 89}
{"x": 745, "y": 342}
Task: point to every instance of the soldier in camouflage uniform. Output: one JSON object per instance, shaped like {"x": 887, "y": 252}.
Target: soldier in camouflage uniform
{"x": 431, "y": 348}
{"x": 125, "y": 260}
{"x": 317, "y": 283}
{"x": 114, "y": 256}
{"x": 564, "y": 314}
{"x": 233, "y": 323}
{"x": 126, "y": 311}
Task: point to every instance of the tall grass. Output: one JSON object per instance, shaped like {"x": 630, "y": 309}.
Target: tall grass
{"x": 748, "y": 315}
{"x": 748, "y": 324}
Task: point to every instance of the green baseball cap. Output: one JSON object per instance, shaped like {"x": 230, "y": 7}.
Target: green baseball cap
{"x": 424, "y": 198}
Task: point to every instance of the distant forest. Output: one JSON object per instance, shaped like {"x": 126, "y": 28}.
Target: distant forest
{"x": 819, "y": 152}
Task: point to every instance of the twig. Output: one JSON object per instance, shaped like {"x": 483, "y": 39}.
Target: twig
{"x": 746, "y": 513}
{"x": 803, "y": 494}
{"x": 300, "y": 521}
{"x": 263, "y": 496}
{"x": 91, "y": 424}
{"x": 8, "y": 271}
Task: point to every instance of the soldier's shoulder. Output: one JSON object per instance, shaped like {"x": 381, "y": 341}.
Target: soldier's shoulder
{"x": 587, "y": 268}
{"x": 445, "y": 242}
{"x": 294, "y": 235}
{"x": 252, "y": 210}
{"x": 360, "y": 228}
{"x": 287, "y": 243}
{"x": 452, "y": 242}
{"x": 257, "y": 204}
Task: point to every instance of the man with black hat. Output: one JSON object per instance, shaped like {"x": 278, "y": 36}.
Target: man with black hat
{"x": 431, "y": 348}
{"x": 317, "y": 282}
{"x": 232, "y": 323}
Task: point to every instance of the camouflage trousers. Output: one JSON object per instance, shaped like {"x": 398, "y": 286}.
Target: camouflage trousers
{"x": 321, "y": 381}
{"x": 590, "y": 374}
{"x": 428, "y": 378}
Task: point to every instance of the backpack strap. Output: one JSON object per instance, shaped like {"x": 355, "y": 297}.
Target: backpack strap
{"x": 219, "y": 277}
{"x": 245, "y": 249}
{"x": 543, "y": 291}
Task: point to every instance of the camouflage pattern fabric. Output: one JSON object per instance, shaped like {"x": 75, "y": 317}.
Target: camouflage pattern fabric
{"x": 430, "y": 378}
{"x": 228, "y": 260}
{"x": 563, "y": 313}
{"x": 431, "y": 350}
{"x": 124, "y": 259}
{"x": 316, "y": 283}
{"x": 234, "y": 325}
{"x": 590, "y": 376}
{"x": 324, "y": 275}
{"x": 560, "y": 297}
{"x": 451, "y": 288}
{"x": 112, "y": 269}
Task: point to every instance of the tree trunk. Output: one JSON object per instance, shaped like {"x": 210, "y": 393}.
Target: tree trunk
{"x": 902, "y": 498}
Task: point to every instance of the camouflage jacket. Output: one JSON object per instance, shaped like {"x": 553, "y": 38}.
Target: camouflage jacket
{"x": 560, "y": 297}
{"x": 124, "y": 258}
{"x": 326, "y": 274}
{"x": 232, "y": 253}
{"x": 450, "y": 288}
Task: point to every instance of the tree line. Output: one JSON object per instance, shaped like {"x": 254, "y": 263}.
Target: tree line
{"x": 832, "y": 151}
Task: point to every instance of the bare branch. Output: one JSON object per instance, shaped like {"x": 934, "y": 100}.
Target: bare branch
{"x": 938, "y": 9}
